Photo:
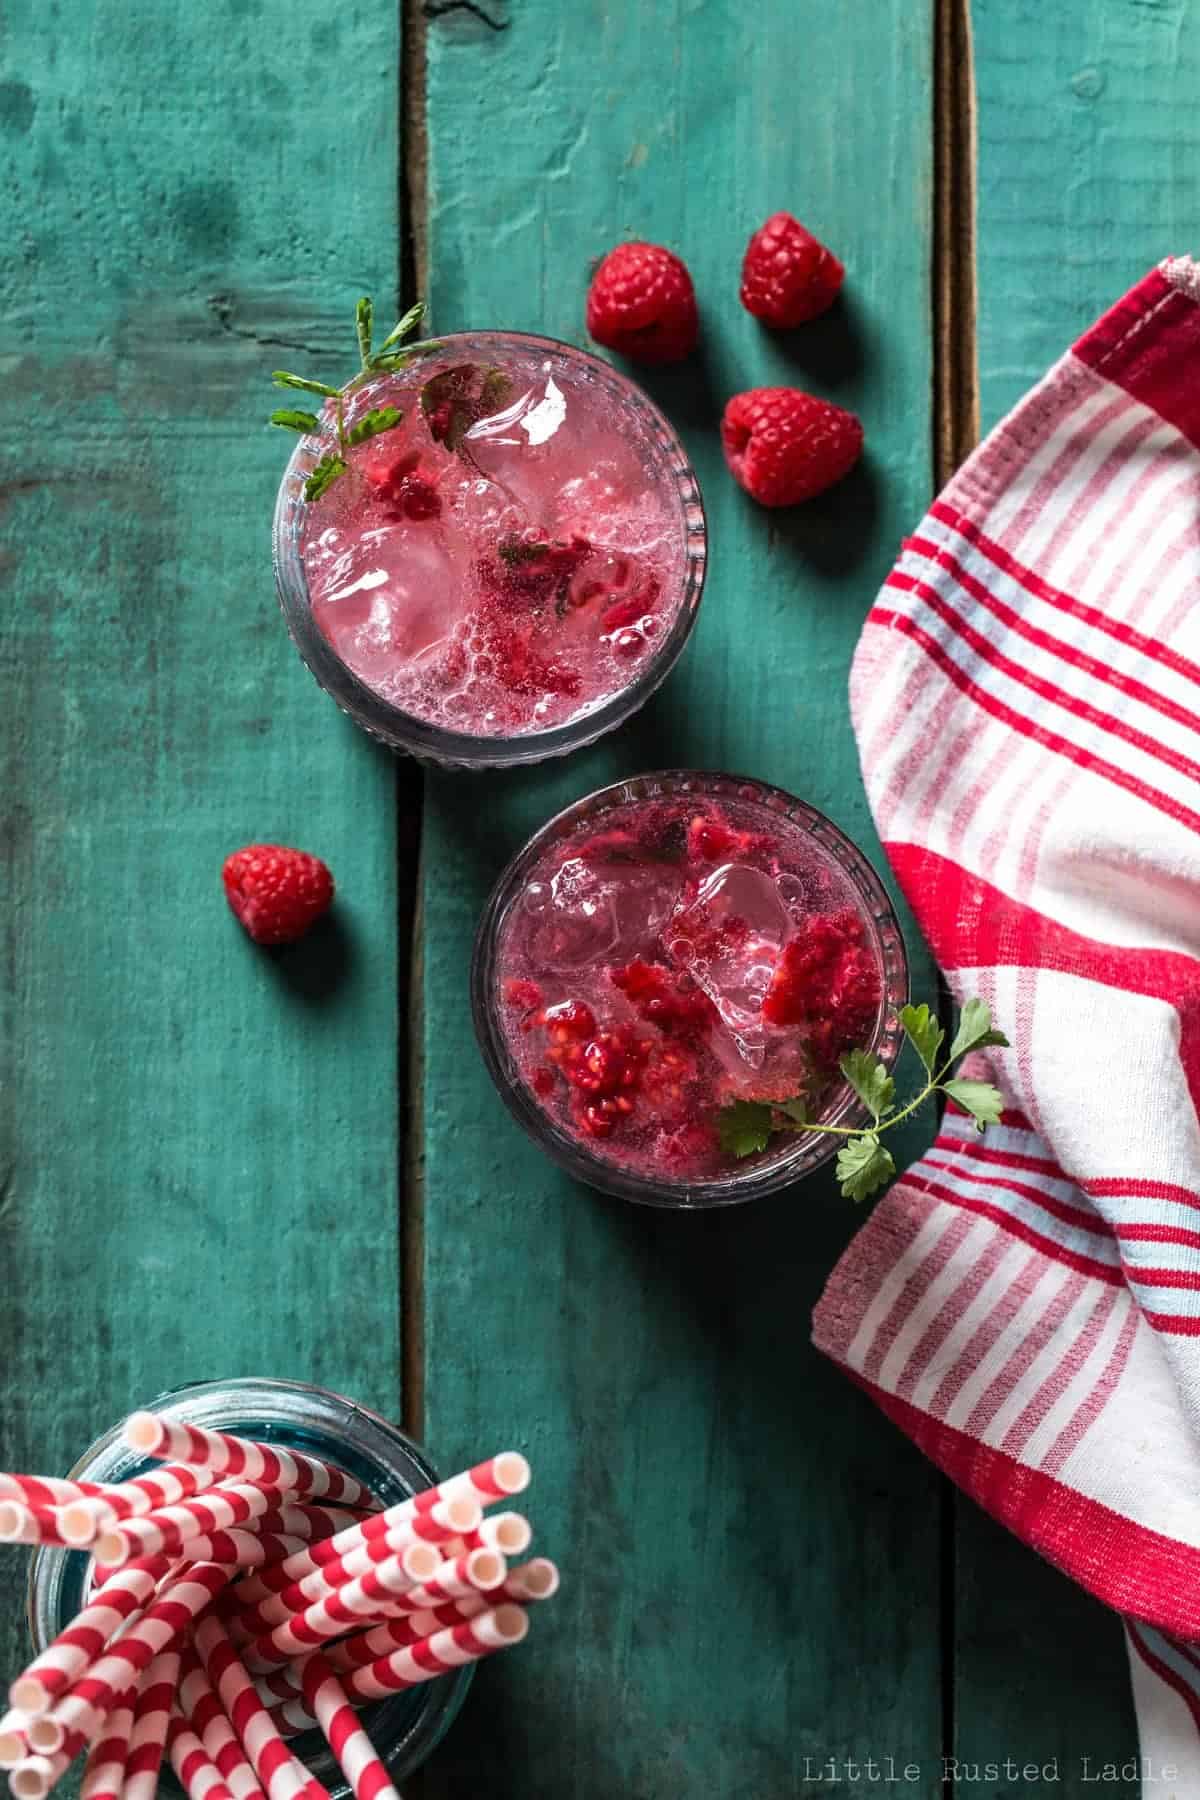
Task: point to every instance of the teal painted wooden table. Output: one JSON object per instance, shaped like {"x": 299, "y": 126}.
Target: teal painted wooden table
{"x": 214, "y": 1162}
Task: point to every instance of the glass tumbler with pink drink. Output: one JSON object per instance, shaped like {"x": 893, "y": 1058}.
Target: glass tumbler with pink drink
{"x": 490, "y": 549}
{"x": 668, "y": 950}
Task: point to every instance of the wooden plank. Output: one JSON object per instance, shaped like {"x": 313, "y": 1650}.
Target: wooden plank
{"x": 1088, "y": 141}
{"x": 200, "y": 1140}
{"x": 691, "y": 1451}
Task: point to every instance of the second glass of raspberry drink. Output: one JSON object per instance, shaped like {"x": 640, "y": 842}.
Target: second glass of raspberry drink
{"x": 667, "y": 947}
{"x": 507, "y": 572}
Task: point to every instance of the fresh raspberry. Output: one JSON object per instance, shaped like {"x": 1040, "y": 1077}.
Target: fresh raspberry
{"x": 642, "y": 304}
{"x": 276, "y": 893}
{"x": 398, "y": 489}
{"x": 570, "y": 1021}
{"x": 419, "y": 499}
{"x": 605, "y": 1073}
{"x": 668, "y": 1082}
{"x": 827, "y": 981}
{"x": 783, "y": 445}
{"x": 531, "y": 573}
{"x": 788, "y": 277}
{"x": 701, "y": 934}
{"x": 712, "y": 839}
{"x": 672, "y": 1002}
{"x": 522, "y": 994}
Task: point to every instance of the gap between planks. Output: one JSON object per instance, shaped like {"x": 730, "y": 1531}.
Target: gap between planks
{"x": 412, "y": 280}
{"x": 956, "y": 374}
{"x": 955, "y": 421}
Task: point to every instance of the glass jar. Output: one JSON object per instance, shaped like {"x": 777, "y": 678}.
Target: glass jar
{"x": 839, "y": 869}
{"x": 667, "y": 469}
{"x": 404, "y": 1728}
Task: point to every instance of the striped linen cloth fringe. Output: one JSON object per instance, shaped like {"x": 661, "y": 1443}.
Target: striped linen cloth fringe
{"x": 1026, "y": 699}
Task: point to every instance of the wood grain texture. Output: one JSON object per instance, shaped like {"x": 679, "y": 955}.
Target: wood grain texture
{"x": 1088, "y": 149}
{"x": 750, "y": 1552}
{"x": 199, "y": 1139}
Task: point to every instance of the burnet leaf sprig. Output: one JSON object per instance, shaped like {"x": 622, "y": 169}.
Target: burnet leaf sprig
{"x": 387, "y": 357}
{"x": 865, "y": 1164}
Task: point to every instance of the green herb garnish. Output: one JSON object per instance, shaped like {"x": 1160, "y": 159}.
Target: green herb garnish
{"x": 382, "y": 418}
{"x": 865, "y": 1164}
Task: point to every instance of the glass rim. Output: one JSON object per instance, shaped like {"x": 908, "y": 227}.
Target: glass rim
{"x": 787, "y": 1166}
{"x": 438, "y": 743}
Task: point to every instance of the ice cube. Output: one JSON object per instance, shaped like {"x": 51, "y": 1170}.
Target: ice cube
{"x": 579, "y": 925}
{"x": 729, "y": 940}
{"x": 516, "y": 448}
{"x": 388, "y": 599}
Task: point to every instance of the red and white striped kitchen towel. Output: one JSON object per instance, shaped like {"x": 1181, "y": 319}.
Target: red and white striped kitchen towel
{"x": 1026, "y": 697}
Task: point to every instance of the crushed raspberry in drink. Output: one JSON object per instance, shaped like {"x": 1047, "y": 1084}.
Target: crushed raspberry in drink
{"x": 673, "y": 955}
{"x": 507, "y": 558}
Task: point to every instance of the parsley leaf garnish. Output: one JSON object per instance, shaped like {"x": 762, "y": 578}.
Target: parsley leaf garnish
{"x": 744, "y": 1126}
{"x": 864, "y": 1164}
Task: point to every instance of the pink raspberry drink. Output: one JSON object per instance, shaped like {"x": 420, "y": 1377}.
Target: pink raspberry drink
{"x": 507, "y": 573}
{"x": 669, "y": 946}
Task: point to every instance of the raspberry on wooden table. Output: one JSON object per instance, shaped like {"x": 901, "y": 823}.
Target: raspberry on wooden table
{"x": 788, "y": 276}
{"x": 783, "y": 445}
{"x": 276, "y": 893}
{"x": 641, "y": 303}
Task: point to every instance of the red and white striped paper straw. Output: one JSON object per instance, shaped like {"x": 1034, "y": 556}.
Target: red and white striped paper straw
{"x": 477, "y": 1570}
{"x": 499, "y": 1478}
{"x": 509, "y": 1532}
{"x": 267, "y": 1544}
{"x": 104, "y": 1776}
{"x": 433, "y": 1524}
{"x": 356, "y": 1755}
{"x": 164, "y": 1486}
{"x": 379, "y": 1590}
{"x": 45, "y": 1490}
{"x": 169, "y": 1529}
{"x": 79, "y": 1714}
{"x": 435, "y": 1655}
{"x": 312, "y": 1521}
{"x": 245, "y": 1549}
{"x": 63, "y": 1661}
{"x": 537, "y": 1579}
{"x": 198, "y": 1774}
{"x": 329, "y": 1575}
{"x": 207, "y": 1717}
{"x": 532, "y": 1582}
{"x": 151, "y": 1717}
{"x": 14, "y": 1745}
{"x": 33, "y": 1779}
{"x": 277, "y": 1769}
{"x": 21, "y": 1523}
{"x": 155, "y": 1435}
{"x": 445, "y": 1650}
{"x": 398, "y": 1525}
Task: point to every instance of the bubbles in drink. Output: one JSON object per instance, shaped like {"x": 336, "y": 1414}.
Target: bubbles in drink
{"x": 509, "y": 556}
